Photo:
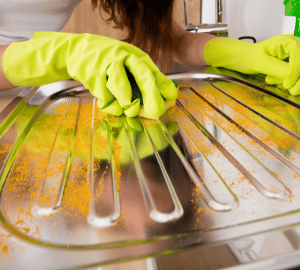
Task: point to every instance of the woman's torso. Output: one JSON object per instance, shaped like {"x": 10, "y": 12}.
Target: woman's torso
{"x": 19, "y": 19}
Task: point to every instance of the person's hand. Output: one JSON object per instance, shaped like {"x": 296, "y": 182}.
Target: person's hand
{"x": 99, "y": 63}
{"x": 277, "y": 57}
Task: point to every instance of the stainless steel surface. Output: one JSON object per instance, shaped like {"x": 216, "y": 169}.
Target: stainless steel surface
{"x": 219, "y": 28}
{"x": 214, "y": 183}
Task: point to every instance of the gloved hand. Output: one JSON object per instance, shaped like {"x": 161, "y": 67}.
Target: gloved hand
{"x": 277, "y": 57}
{"x": 99, "y": 63}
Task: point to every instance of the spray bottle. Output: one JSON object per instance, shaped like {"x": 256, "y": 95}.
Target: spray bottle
{"x": 291, "y": 20}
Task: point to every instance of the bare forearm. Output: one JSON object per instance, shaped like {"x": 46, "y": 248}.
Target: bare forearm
{"x": 4, "y": 82}
{"x": 189, "y": 47}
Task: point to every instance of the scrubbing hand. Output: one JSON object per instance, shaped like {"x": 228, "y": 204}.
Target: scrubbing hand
{"x": 99, "y": 63}
{"x": 277, "y": 57}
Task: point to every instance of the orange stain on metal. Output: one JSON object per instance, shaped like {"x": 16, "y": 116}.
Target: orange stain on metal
{"x": 42, "y": 157}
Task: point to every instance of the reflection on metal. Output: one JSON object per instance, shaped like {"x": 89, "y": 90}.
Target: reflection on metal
{"x": 9, "y": 114}
{"x": 243, "y": 250}
{"x": 151, "y": 264}
{"x": 222, "y": 164}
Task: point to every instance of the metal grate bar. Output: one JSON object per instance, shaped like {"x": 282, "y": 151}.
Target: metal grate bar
{"x": 178, "y": 210}
{"x": 249, "y": 169}
{"x": 296, "y": 136}
{"x": 36, "y": 208}
{"x": 210, "y": 200}
{"x": 94, "y": 219}
{"x": 291, "y": 163}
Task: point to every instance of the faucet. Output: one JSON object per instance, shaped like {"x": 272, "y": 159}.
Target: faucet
{"x": 219, "y": 28}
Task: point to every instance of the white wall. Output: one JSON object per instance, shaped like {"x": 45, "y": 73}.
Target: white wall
{"x": 259, "y": 18}
{"x": 208, "y": 10}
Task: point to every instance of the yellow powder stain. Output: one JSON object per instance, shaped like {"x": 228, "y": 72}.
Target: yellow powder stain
{"x": 32, "y": 166}
{"x": 264, "y": 131}
{"x": 100, "y": 186}
{"x": 291, "y": 197}
{"x": 5, "y": 246}
{"x": 99, "y": 115}
{"x": 116, "y": 153}
{"x": 76, "y": 197}
{"x": 120, "y": 221}
{"x": 4, "y": 249}
{"x": 271, "y": 135}
{"x": 200, "y": 210}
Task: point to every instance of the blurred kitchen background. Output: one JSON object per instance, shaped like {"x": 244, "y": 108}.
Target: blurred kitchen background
{"x": 260, "y": 19}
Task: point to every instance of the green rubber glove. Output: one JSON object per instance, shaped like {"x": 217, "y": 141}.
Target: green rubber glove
{"x": 99, "y": 63}
{"x": 277, "y": 57}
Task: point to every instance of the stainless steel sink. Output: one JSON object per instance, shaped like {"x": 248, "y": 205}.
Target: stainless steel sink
{"x": 214, "y": 183}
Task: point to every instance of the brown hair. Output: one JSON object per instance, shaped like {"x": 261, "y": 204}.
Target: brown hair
{"x": 148, "y": 25}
